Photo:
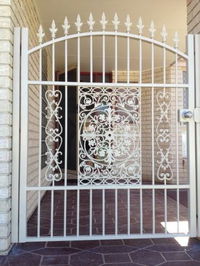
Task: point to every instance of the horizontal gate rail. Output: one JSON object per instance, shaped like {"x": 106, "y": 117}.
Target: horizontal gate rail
{"x": 108, "y": 237}
{"x": 107, "y": 187}
{"x": 100, "y": 84}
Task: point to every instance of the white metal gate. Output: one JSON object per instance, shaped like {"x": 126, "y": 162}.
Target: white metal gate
{"x": 135, "y": 175}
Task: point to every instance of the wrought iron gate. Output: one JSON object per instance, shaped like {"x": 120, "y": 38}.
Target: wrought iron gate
{"x": 135, "y": 167}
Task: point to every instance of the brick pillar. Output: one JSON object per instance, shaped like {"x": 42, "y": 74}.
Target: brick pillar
{"x": 6, "y": 50}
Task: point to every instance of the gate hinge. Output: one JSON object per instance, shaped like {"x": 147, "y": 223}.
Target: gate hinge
{"x": 197, "y": 115}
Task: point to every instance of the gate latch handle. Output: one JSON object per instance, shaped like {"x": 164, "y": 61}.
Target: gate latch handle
{"x": 185, "y": 115}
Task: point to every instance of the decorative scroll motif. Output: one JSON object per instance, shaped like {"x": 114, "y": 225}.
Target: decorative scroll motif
{"x": 109, "y": 141}
{"x": 163, "y": 139}
{"x": 53, "y": 139}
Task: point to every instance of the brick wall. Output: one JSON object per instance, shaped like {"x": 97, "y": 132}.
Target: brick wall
{"x": 193, "y": 16}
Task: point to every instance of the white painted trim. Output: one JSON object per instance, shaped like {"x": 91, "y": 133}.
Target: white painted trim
{"x": 24, "y": 134}
{"x": 197, "y": 98}
{"x": 16, "y": 137}
{"x": 191, "y": 139}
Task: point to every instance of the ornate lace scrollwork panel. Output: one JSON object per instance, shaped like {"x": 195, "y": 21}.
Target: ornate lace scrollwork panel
{"x": 109, "y": 141}
{"x": 163, "y": 136}
{"x": 53, "y": 138}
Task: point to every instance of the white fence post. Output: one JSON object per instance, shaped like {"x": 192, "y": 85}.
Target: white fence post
{"x": 16, "y": 136}
{"x": 24, "y": 133}
{"x": 197, "y": 103}
{"x": 191, "y": 138}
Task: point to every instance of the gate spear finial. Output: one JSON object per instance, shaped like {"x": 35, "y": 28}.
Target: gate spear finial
{"x": 40, "y": 34}
{"x": 140, "y": 25}
{"x": 116, "y": 22}
{"x": 53, "y": 29}
{"x": 78, "y": 23}
{"x": 164, "y": 33}
{"x": 128, "y": 23}
{"x": 91, "y": 22}
{"x": 66, "y": 26}
{"x": 103, "y": 21}
{"x": 152, "y": 29}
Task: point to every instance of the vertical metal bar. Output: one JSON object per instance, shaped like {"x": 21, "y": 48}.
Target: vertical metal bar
{"x": 103, "y": 59}
{"x": 90, "y": 214}
{"x": 78, "y": 135}
{"x": 16, "y": 136}
{"x": 197, "y": 97}
{"x": 52, "y": 213}
{"x": 53, "y": 182}
{"x": 78, "y": 59}
{"x": 177, "y": 142}
{"x": 165, "y": 207}
{"x": 66, "y": 138}
{"x": 103, "y": 212}
{"x": 141, "y": 211}
{"x": 140, "y": 61}
{"x": 140, "y": 80}
{"x": 78, "y": 98}
{"x": 24, "y": 135}
{"x": 128, "y": 211}
{"x": 78, "y": 212}
{"x": 165, "y": 182}
{"x": 191, "y": 139}
{"x": 91, "y": 58}
{"x": 38, "y": 214}
{"x": 128, "y": 59}
{"x": 66, "y": 109}
{"x": 65, "y": 213}
{"x": 152, "y": 136}
{"x": 116, "y": 58}
{"x": 40, "y": 141}
{"x": 140, "y": 104}
{"x": 116, "y": 211}
{"x": 53, "y": 63}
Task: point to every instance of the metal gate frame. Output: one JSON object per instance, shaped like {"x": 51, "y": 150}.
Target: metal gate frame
{"x": 20, "y": 127}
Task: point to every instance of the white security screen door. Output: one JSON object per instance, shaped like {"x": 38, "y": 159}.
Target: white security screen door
{"x": 107, "y": 147}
